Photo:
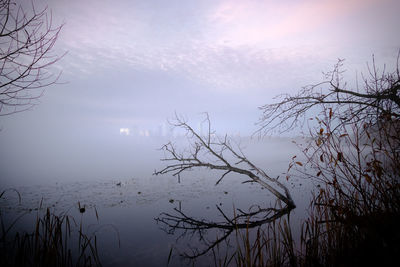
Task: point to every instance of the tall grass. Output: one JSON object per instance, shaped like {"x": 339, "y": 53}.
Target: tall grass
{"x": 271, "y": 246}
{"x": 56, "y": 240}
{"x": 354, "y": 213}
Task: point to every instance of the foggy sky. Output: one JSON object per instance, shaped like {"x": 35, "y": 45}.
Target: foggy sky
{"x": 133, "y": 64}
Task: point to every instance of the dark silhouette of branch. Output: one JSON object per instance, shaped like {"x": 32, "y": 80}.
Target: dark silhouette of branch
{"x": 241, "y": 220}
{"x": 27, "y": 40}
{"x": 380, "y": 95}
{"x": 217, "y": 154}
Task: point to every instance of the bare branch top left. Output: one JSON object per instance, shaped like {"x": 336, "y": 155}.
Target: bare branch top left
{"x": 27, "y": 39}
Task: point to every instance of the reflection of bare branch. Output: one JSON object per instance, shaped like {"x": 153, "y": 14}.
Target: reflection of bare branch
{"x": 241, "y": 220}
{"x": 215, "y": 153}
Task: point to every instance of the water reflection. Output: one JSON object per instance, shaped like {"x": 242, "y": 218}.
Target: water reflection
{"x": 211, "y": 233}
{"x": 224, "y": 155}
{"x": 194, "y": 212}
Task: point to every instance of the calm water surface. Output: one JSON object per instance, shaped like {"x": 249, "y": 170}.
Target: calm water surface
{"x": 127, "y": 206}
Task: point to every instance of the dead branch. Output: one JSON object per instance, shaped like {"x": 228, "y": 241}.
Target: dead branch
{"x": 379, "y": 96}
{"x": 27, "y": 39}
{"x": 217, "y": 153}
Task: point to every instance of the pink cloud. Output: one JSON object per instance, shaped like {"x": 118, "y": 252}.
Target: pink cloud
{"x": 252, "y": 22}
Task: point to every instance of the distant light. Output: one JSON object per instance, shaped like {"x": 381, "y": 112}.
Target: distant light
{"x": 144, "y": 133}
{"x": 124, "y": 131}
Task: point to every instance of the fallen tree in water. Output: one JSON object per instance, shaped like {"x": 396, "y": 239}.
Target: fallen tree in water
{"x": 217, "y": 153}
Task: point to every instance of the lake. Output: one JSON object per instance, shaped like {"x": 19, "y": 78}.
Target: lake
{"x": 115, "y": 180}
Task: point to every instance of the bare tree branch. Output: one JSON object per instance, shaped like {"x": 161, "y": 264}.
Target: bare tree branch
{"x": 215, "y": 153}
{"x": 27, "y": 39}
{"x": 380, "y": 96}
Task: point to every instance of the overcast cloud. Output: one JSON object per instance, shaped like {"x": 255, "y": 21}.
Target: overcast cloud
{"x": 132, "y": 64}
